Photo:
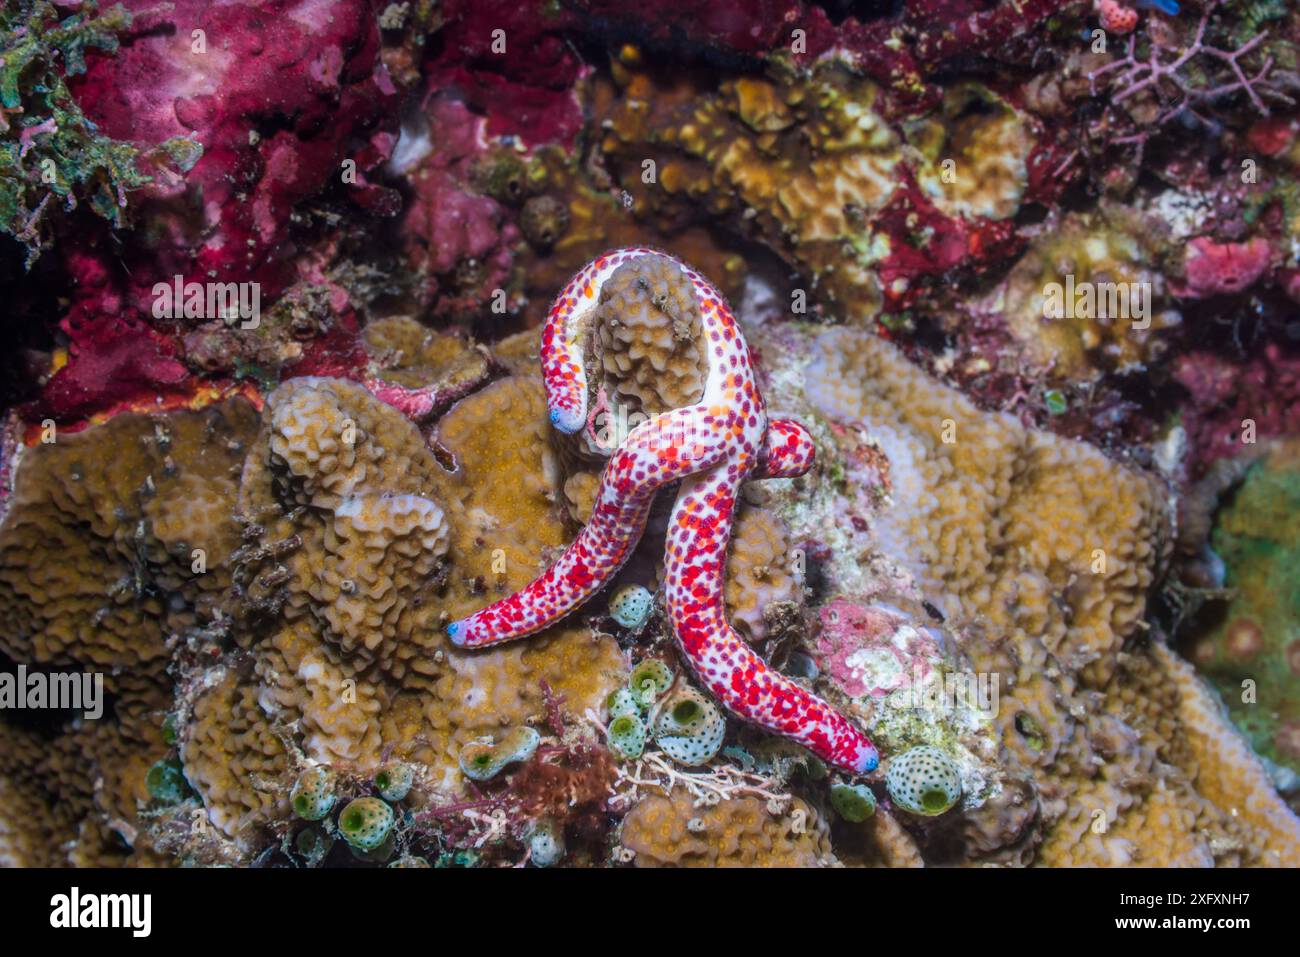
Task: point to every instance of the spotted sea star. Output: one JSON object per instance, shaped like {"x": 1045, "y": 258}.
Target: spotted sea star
{"x": 712, "y": 447}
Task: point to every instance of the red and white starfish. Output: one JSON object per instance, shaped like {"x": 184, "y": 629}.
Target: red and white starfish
{"x": 712, "y": 447}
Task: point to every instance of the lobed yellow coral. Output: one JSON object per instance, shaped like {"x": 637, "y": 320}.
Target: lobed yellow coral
{"x": 235, "y": 758}
{"x": 1089, "y": 296}
{"x": 805, "y": 158}
{"x": 117, "y": 536}
{"x": 1040, "y": 552}
{"x": 646, "y": 336}
{"x": 976, "y": 153}
{"x": 417, "y": 357}
{"x": 1036, "y": 535}
{"x": 361, "y": 665}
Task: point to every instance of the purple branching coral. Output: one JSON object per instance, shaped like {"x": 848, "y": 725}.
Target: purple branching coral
{"x": 1189, "y": 91}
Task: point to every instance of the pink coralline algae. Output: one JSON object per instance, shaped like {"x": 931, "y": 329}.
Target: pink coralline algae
{"x": 115, "y": 362}
{"x": 1215, "y": 269}
{"x": 513, "y": 66}
{"x": 954, "y": 242}
{"x": 873, "y": 649}
{"x": 1237, "y": 401}
{"x": 458, "y": 239}
{"x": 279, "y": 94}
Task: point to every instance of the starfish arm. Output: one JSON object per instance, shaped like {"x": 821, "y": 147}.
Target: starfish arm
{"x": 561, "y": 353}
{"x": 564, "y": 339}
{"x": 695, "y": 562}
{"x": 657, "y": 452}
{"x": 788, "y": 451}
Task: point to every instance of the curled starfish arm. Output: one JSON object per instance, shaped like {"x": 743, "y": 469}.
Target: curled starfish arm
{"x": 662, "y": 450}
{"x": 739, "y": 678}
{"x": 563, "y": 336}
{"x": 562, "y": 367}
{"x": 788, "y": 451}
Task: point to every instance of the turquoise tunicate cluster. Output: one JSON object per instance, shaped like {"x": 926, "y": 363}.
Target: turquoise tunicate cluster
{"x": 366, "y": 823}
{"x": 627, "y": 707}
{"x": 853, "y": 802}
{"x": 923, "y": 781}
{"x": 484, "y": 759}
{"x": 313, "y": 794}
{"x": 394, "y": 781}
{"x": 467, "y": 857}
{"x": 313, "y": 845}
{"x": 631, "y": 606}
{"x": 690, "y": 728}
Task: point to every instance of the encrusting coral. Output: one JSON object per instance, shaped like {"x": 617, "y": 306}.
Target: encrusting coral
{"x": 1091, "y": 295}
{"x": 742, "y": 150}
{"x": 764, "y": 584}
{"x": 117, "y": 536}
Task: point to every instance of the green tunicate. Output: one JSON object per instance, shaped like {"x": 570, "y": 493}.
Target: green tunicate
{"x": 166, "y": 782}
{"x": 740, "y": 756}
{"x": 690, "y": 728}
{"x": 685, "y": 714}
{"x": 627, "y": 736}
{"x": 394, "y": 782}
{"x": 479, "y": 761}
{"x": 313, "y": 845}
{"x": 1030, "y": 730}
{"x": 169, "y": 729}
{"x": 546, "y": 844}
{"x": 313, "y": 794}
{"x": 631, "y": 606}
{"x": 462, "y": 858}
{"x": 365, "y": 823}
{"x": 482, "y": 760}
{"x": 1055, "y": 401}
{"x": 622, "y": 702}
{"x": 923, "y": 781}
{"x": 410, "y": 860}
{"x": 853, "y": 802}
{"x": 783, "y": 759}
{"x": 505, "y": 178}
{"x": 519, "y": 744}
{"x": 649, "y": 680}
